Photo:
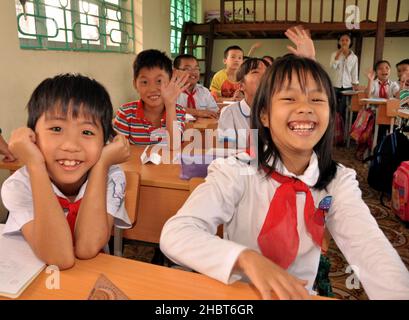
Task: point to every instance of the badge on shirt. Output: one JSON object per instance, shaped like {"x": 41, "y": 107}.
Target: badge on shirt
{"x": 323, "y": 208}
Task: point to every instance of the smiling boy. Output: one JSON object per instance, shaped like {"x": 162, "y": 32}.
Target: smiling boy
{"x": 149, "y": 119}
{"x": 69, "y": 193}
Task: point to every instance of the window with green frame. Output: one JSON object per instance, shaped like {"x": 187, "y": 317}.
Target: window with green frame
{"x": 180, "y": 11}
{"x": 76, "y": 25}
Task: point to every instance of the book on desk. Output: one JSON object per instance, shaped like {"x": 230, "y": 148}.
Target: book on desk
{"x": 19, "y": 266}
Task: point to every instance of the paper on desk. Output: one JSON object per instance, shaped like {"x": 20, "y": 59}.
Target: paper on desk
{"x": 374, "y": 99}
{"x": 153, "y": 157}
{"x": 403, "y": 110}
{"x": 189, "y": 117}
{"x": 18, "y": 264}
{"x": 351, "y": 91}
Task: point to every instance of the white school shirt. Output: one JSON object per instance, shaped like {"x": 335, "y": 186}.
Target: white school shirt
{"x": 17, "y": 198}
{"x": 241, "y": 201}
{"x": 234, "y": 123}
{"x": 203, "y": 99}
{"x": 391, "y": 88}
{"x": 346, "y": 70}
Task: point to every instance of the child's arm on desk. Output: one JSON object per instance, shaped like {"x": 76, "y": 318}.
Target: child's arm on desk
{"x": 94, "y": 224}
{"x": 267, "y": 277}
{"x": 48, "y": 234}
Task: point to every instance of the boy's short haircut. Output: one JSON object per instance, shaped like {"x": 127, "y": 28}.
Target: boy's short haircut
{"x": 150, "y": 59}
{"x": 178, "y": 60}
{"x": 404, "y": 61}
{"x": 226, "y": 52}
{"x": 247, "y": 66}
{"x": 74, "y": 94}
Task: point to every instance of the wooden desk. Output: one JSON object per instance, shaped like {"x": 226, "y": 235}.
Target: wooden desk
{"x": 11, "y": 166}
{"x": 161, "y": 194}
{"x": 382, "y": 116}
{"x": 139, "y": 281}
{"x": 203, "y": 124}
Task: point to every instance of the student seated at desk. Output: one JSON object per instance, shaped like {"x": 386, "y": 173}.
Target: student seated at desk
{"x": 70, "y": 191}
{"x": 196, "y": 99}
{"x": 234, "y": 122}
{"x": 275, "y": 211}
{"x": 4, "y": 150}
{"x": 379, "y": 84}
{"x": 150, "y": 119}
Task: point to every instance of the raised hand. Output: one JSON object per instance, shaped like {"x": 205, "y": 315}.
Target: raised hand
{"x": 371, "y": 75}
{"x": 177, "y": 84}
{"x": 269, "y": 278}
{"x": 303, "y": 42}
{"x": 116, "y": 152}
{"x": 22, "y": 145}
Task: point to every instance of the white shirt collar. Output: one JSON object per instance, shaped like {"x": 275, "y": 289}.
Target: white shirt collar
{"x": 80, "y": 194}
{"x": 310, "y": 175}
{"x": 244, "y": 108}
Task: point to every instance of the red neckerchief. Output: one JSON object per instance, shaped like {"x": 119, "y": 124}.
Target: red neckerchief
{"x": 382, "y": 89}
{"x": 278, "y": 239}
{"x": 191, "y": 103}
{"x": 73, "y": 208}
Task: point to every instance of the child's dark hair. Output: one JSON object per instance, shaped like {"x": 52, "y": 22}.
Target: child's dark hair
{"x": 178, "y": 60}
{"x": 226, "y": 52}
{"x": 404, "y": 61}
{"x": 75, "y": 94}
{"x": 150, "y": 59}
{"x": 247, "y": 66}
{"x": 265, "y": 58}
{"x": 340, "y": 36}
{"x": 378, "y": 63}
{"x": 273, "y": 81}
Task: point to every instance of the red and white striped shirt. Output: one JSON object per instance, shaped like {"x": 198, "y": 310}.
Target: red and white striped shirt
{"x": 130, "y": 121}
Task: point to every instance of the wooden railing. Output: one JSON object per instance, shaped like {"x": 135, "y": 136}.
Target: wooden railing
{"x": 307, "y": 11}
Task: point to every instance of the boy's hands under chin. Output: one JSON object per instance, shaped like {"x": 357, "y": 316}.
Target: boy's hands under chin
{"x": 116, "y": 152}
{"x": 303, "y": 42}
{"x": 22, "y": 145}
{"x": 269, "y": 277}
{"x": 175, "y": 87}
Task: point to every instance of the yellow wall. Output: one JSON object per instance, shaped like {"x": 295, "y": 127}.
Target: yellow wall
{"x": 22, "y": 70}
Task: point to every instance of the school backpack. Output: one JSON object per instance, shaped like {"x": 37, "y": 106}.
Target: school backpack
{"x": 339, "y": 130}
{"x": 388, "y": 154}
{"x": 400, "y": 191}
{"x": 363, "y": 126}
{"x": 362, "y": 132}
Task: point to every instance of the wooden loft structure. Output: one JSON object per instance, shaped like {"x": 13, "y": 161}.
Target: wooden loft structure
{"x": 326, "y": 19}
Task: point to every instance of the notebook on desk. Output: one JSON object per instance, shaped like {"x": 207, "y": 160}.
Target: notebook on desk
{"x": 374, "y": 100}
{"x": 18, "y": 265}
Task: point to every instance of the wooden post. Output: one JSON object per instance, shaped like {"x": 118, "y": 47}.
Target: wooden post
{"x": 298, "y": 11}
{"x": 380, "y": 30}
{"x": 222, "y": 8}
{"x": 358, "y": 48}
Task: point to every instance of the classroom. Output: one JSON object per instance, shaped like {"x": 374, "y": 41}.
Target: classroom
{"x": 254, "y": 149}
